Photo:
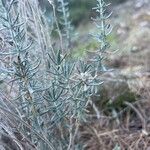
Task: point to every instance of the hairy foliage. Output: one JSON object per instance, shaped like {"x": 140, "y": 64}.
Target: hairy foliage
{"x": 50, "y": 90}
{"x": 63, "y": 9}
{"x": 104, "y": 30}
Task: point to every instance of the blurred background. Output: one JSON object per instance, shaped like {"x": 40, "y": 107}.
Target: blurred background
{"x": 131, "y": 27}
{"x": 80, "y": 10}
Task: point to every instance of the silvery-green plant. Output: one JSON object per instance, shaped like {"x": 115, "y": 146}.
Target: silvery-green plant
{"x": 52, "y": 91}
{"x": 103, "y": 30}
{"x": 63, "y": 9}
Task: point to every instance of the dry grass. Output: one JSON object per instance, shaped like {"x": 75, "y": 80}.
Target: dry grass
{"x": 133, "y": 132}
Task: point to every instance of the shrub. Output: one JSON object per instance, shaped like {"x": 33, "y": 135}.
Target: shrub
{"x": 51, "y": 91}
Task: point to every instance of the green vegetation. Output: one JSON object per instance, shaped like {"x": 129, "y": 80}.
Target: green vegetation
{"x": 81, "y": 50}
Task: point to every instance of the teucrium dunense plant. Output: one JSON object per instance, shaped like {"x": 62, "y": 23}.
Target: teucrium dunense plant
{"x": 63, "y": 9}
{"x": 52, "y": 91}
{"x": 104, "y": 30}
